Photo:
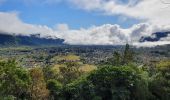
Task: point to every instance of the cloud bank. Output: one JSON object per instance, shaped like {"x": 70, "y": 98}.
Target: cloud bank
{"x": 10, "y": 23}
{"x": 106, "y": 34}
{"x": 152, "y": 11}
{"x": 153, "y": 14}
{"x": 115, "y": 35}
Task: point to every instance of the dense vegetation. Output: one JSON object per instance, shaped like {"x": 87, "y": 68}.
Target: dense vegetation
{"x": 118, "y": 78}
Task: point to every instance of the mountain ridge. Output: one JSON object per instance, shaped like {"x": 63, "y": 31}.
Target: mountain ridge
{"x": 32, "y": 40}
{"x": 155, "y": 37}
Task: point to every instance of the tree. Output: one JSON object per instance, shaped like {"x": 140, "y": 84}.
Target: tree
{"x": 117, "y": 58}
{"x": 128, "y": 55}
{"x": 80, "y": 89}
{"x": 14, "y": 80}
{"x": 38, "y": 85}
{"x": 110, "y": 83}
{"x": 120, "y": 59}
{"x": 55, "y": 89}
{"x": 119, "y": 83}
{"x": 69, "y": 72}
{"x": 160, "y": 82}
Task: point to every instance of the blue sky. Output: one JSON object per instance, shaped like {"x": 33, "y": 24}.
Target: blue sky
{"x": 87, "y": 21}
{"x": 50, "y": 14}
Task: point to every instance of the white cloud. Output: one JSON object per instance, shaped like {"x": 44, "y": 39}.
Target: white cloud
{"x": 153, "y": 11}
{"x": 113, "y": 34}
{"x": 101, "y": 35}
{"x": 106, "y": 34}
{"x": 150, "y": 11}
{"x": 10, "y": 23}
{"x": 150, "y": 44}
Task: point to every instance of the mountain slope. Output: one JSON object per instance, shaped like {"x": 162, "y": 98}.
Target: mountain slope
{"x": 155, "y": 37}
{"x": 33, "y": 40}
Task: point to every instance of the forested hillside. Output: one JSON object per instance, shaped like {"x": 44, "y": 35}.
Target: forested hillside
{"x": 69, "y": 78}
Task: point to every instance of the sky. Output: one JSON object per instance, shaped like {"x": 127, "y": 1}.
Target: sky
{"x": 87, "y": 22}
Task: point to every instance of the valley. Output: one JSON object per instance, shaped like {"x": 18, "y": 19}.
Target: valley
{"x": 41, "y": 56}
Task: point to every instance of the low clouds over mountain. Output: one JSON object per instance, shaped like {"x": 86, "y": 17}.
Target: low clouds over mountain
{"x": 106, "y": 34}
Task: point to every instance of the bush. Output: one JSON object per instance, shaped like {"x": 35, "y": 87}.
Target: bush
{"x": 119, "y": 83}
{"x": 14, "y": 80}
{"x": 160, "y": 82}
{"x": 55, "y": 89}
{"x": 110, "y": 83}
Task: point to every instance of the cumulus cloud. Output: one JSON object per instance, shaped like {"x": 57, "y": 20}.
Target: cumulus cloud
{"x": 10, "y": 23}
{"x": 114, "y": 35}
{"x": 106, "y": 34}
{"x": 153, "y": 11}
{"x": 101, "y": 35}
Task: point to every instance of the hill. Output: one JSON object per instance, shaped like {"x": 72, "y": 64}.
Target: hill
{"x": 32, "y": 40}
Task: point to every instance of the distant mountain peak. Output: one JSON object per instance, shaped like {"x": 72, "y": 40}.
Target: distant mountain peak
{"x": 155, "y": 37}
{"x": 35, "y": 35}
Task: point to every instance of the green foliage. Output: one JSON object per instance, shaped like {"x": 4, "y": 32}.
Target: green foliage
{"x": 14, "y": 80}
{"x": 80, "y": 89}
{"x": 118, "y": 79}
{"x": 117, "y": 58}
{"x": 119, "y": 83}
{"x": 9, "y": 97}
{"x": 49, "y": 73}
{"x": 70, "y": 72}
{"x": 55, "y": 89}
{"x": 120, "y": 59}
{"x": 164, "y": 67}
{"x": 110, "y": 83}
{"x": 160, "y": 82}
{"x": 128, "y": 55}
